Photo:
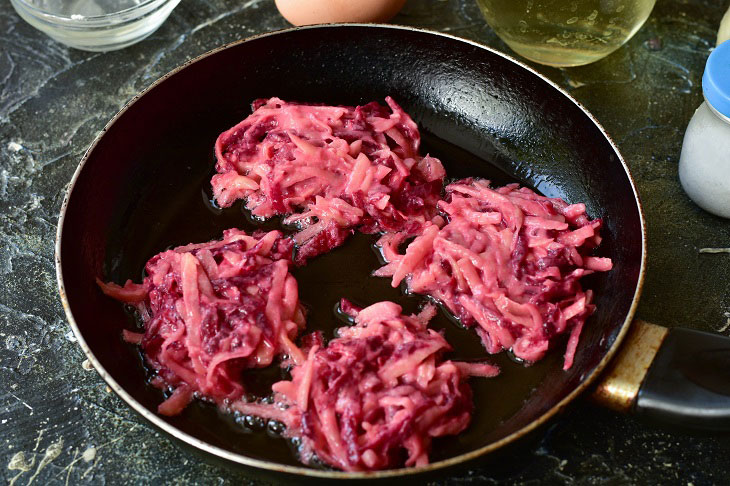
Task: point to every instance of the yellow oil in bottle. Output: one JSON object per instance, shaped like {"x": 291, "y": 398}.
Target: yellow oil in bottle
{"x": 565, "y": 32}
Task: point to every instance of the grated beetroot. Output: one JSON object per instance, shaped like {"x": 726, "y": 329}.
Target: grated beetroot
{"x": 331, "y": 168}
{"x": 376, "y": 395}
{"x": 212, "y": 310}
{"x": 507, "y": 261}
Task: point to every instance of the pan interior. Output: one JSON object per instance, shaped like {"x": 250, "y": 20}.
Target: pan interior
{"x": 145, "y": 188}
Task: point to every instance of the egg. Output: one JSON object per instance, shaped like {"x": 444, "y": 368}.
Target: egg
{"x": 305, "y": 12}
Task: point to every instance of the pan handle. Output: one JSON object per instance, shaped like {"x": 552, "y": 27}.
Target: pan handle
{"x": 678, "y": 376}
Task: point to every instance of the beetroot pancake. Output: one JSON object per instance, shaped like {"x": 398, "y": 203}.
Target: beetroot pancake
{"x": 331, "y": 168}
{"x": 376, "y": 395}
{"x": 507, "y": 261}
{"x": 212, "y": 310}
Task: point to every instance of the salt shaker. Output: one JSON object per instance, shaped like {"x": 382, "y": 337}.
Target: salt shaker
{"x": 704, "y": 164}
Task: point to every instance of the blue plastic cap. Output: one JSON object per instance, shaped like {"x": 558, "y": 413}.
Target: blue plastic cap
{"x": 716, "y": 80}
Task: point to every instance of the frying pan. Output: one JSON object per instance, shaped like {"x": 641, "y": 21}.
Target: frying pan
{"x": 143, "y": 186}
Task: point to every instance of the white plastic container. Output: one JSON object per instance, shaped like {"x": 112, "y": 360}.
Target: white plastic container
{"x": 723, "y": 33}
{"x": 704, "y": 164}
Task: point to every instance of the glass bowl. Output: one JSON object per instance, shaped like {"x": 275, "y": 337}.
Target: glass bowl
{"x": 95, "y": 25}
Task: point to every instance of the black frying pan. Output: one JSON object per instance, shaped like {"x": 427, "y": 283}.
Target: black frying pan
{"x": 144, "y": 186}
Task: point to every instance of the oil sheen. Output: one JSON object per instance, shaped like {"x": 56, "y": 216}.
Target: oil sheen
{"x": 565, "y": 32}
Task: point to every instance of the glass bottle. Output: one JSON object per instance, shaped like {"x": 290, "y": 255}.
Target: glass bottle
{"x": 565, "y": 32}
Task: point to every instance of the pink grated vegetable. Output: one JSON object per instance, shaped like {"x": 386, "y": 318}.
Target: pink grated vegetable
{"x": 507, "y": 261}
{"x": 376, "y": 395}
{"x": 331, "y": 168}
{"x": 212, "y": 310}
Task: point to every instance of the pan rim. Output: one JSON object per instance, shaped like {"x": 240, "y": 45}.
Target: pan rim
{"x": 219, "y": 452}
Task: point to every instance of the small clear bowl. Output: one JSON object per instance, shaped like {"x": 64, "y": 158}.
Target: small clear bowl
{"x": 95, "y": 25}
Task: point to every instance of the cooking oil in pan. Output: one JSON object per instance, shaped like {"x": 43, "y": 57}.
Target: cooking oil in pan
{"x": 181, "y": 212}
{"x": 565, "y": 32}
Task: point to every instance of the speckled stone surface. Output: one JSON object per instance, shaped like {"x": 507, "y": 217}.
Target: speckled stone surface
{"x": 60, "y": 425}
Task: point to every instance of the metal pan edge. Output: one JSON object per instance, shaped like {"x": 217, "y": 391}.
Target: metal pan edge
{"x": 315, "y": 473}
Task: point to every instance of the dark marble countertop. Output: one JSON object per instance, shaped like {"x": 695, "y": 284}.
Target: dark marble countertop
{"x": 59, "y": 423}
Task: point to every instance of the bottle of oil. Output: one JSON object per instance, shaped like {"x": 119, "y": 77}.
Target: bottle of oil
{"x": 565, "y": 32}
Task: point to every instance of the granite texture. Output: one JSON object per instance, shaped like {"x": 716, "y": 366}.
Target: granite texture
{"x": 59, "y": 424}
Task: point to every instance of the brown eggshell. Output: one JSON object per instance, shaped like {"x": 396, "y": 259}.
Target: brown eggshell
{"x": 306, "y": 12}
